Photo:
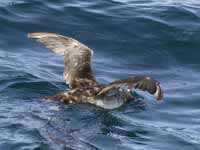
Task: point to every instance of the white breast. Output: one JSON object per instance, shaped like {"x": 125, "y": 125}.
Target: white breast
{"x": 109, "y": 104}
{"x": 114, "y": 99}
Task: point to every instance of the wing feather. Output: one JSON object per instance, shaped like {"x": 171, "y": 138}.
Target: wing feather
{"x": 77, "y": 56}
{"x": 144, "y": 83}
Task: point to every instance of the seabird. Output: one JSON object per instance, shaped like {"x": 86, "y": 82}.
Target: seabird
{"x": 78, "y": 74}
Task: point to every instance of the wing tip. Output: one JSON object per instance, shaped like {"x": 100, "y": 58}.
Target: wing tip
{"x": 35, "y": 35}
{"x": 44, "y": 35}
{"x": 159, "y": 93}
{"x": 29, "y": 35}
{"x": 40, "y": 35}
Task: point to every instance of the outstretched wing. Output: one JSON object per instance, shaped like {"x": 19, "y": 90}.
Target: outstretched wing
{"x": 77, "y": 56}
{"x": 144, "y": 83}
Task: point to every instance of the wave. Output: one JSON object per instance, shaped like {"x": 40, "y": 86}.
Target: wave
{"x": 155, "y": 38}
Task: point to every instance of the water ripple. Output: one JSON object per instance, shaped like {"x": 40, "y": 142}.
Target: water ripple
{"x": 157, "y": 38}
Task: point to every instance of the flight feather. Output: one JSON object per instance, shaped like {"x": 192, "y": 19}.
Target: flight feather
{"x": 77, "y": 56}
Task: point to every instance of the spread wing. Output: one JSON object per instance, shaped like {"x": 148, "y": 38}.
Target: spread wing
{"x": 77, "y": 56}
{"x": 138, "y": 82}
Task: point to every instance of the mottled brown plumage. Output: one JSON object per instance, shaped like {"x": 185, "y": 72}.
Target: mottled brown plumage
{"x": 79, "y": 76}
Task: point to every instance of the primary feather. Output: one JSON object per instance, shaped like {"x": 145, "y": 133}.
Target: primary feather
{"x": 77, "y": 56}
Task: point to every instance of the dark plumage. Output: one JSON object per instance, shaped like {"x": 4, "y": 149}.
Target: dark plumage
{"x": 79, "y": 76}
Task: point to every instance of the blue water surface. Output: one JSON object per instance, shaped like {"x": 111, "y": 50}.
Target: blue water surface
{"x": 160, "y": 38}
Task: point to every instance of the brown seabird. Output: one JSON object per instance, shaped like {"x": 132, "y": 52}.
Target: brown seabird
{"x": 83, "y": 87}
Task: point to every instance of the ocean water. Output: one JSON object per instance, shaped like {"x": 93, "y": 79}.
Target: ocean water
{"x": 160, "y": 38}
